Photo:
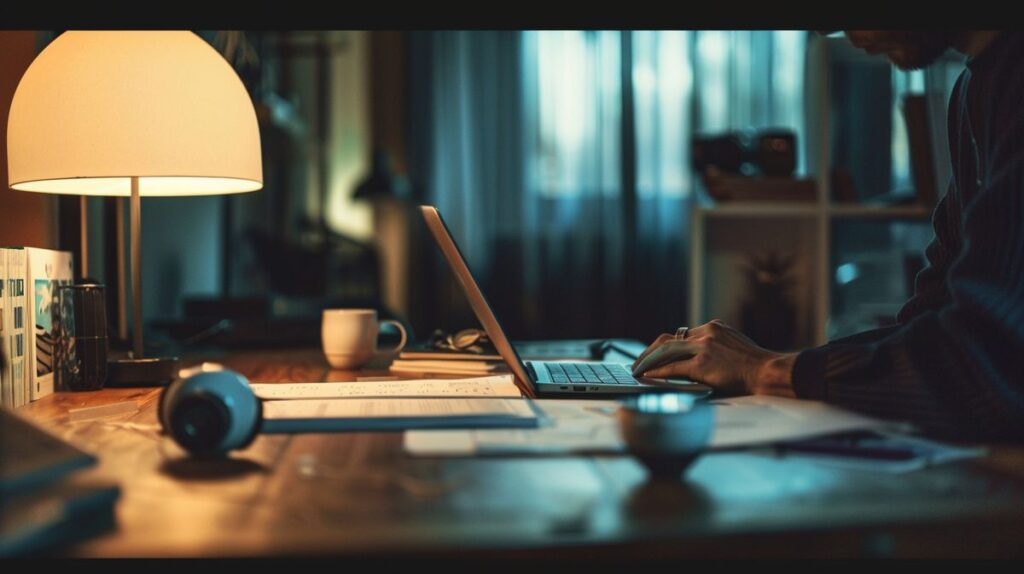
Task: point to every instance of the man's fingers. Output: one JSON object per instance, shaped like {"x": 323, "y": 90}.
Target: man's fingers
{"x": 669, "y": 351}
{"x": 693, "y": 333}
{"x": 650, "y": 358}
{"x": 702, "y": 330}
{"x": 650, "y": 348}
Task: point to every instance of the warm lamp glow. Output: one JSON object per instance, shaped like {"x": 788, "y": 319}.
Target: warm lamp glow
{"x": 133, "y": 114}
{"x": 98, "y": 108}
{"x": 151, "y": 186}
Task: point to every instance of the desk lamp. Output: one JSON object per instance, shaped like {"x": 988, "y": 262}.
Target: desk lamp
{"x": 133, "y": 114}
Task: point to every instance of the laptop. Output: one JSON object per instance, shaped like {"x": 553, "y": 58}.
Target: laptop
{"x": 545, "y": 379}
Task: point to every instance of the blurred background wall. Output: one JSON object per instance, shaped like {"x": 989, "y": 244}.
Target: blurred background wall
{"x": 563, "y": 163}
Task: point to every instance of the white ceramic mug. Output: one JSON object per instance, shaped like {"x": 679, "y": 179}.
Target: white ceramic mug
{"x": 349, "y": 337}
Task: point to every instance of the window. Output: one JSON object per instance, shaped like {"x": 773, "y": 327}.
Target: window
{"x": 662, "y": 85}
{"x": 903, "y": 84}
{"x": 682, "y": 82}
{"x": 578, "y": 107}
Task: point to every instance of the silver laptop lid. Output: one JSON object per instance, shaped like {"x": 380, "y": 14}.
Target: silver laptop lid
{"x": 476, "y": 298}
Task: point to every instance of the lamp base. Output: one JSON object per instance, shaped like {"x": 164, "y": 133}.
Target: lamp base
{"x": 151, "y": 372}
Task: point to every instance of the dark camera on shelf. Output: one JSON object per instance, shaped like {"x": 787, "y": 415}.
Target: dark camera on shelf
{"x": 765, "y": 152}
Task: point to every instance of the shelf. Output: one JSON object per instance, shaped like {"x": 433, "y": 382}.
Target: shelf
{"x": 777, "y": 209}
{"x": 760, "y": 209}
{"x": 799, "y": 214}
{"x": 869, "y": 211}
{"x": 730, "y": 188}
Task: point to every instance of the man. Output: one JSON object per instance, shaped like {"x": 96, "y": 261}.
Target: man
{"x": 954, "y": 362}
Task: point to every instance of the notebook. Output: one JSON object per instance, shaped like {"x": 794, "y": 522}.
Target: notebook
{"x": 334, "y": 415}
{"x": 44, "y": 502}
{"x": 60, "y": 514}
{"x": 31, "y": 458}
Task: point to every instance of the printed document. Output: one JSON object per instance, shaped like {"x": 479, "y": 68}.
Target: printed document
{"x": 328, "y": 415}
{"x": 592, "y": 427}
{"x": 493, "y": 386}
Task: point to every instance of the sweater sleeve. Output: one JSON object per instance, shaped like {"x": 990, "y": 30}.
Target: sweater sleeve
{"x": 954, "y": 367}
{"x": 930, "y": 289}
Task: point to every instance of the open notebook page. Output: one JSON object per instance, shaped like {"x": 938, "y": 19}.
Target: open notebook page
{"x": 493, "y": 386}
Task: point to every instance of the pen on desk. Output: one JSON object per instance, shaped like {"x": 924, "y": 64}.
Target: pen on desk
{"x": 851, "y": 450}
{"x": 600, "y": 349}
{"x": 628, "y": 354}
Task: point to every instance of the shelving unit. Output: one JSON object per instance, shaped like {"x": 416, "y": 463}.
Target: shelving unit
{"x": 722, "y": 231}
{"x": 814, "y": 215}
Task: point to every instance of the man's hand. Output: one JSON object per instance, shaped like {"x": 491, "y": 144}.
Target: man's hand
{"x": 720, "y": 356}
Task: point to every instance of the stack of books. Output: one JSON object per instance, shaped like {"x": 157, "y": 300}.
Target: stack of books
{"x": 29, "y": 279}
{"x": 46, "y": 503}
{"x": 431, "y": 360}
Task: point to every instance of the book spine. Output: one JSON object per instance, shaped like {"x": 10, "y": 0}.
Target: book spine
{"x": 30, "y": 331}
{"x": 16, "y": 275}
{"x": 47, "y": 271}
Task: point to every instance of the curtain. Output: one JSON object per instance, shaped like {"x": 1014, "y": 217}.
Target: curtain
{"x": 560, "y": 160}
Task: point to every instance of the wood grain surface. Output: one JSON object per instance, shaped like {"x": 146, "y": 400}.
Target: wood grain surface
{"x": 359, "y": 494}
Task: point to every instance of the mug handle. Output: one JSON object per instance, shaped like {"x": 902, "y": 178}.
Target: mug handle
{"x": 401, "y": 344}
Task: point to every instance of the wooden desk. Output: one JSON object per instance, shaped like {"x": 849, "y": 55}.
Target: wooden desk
{"x": 359, "y": 494}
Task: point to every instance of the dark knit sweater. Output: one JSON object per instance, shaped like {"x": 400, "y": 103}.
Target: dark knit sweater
{"x": 954, "y": 363}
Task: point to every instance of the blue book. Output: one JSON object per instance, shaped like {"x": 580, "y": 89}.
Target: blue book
{"x": 48, "y": 520}
{"x": 45, "y": 504}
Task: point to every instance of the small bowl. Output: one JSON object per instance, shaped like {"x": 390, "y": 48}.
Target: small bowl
{"x": 666, "y": 431}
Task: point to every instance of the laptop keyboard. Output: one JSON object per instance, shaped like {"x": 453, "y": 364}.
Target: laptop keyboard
{"x": 590, "y": 373}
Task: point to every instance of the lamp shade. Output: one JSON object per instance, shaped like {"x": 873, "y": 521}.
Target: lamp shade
{"x": 96, "y": 109}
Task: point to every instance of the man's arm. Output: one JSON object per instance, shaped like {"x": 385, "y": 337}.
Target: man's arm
{"x": 930, "y": 289}
{"x": 955, "y": 371}
{"x": 841, "y": 357}
{"x": 959, "y": 369}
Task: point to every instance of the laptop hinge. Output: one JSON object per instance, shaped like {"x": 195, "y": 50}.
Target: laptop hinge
{"x": 529, "y": 367}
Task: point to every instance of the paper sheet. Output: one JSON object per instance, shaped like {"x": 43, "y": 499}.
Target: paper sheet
{"x": 591, "y": 426}
{"x": 760, "y": 419}
{"x": 392, "y": 408}
{"x": 926, "y": 453}
{"x": 493, "y": 386}
{"x": 342, "y": 415}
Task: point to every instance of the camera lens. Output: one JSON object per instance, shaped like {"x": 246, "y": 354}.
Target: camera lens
{"x": 200, "y": 424}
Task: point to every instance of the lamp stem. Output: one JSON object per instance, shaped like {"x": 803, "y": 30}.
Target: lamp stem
{"x": 135, "y": 220}
{"x": 83, "y": 207}
{"x": 122, "y": 283}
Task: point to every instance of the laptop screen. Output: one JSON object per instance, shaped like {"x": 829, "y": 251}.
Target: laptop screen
{"x": 481, "y": 308}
